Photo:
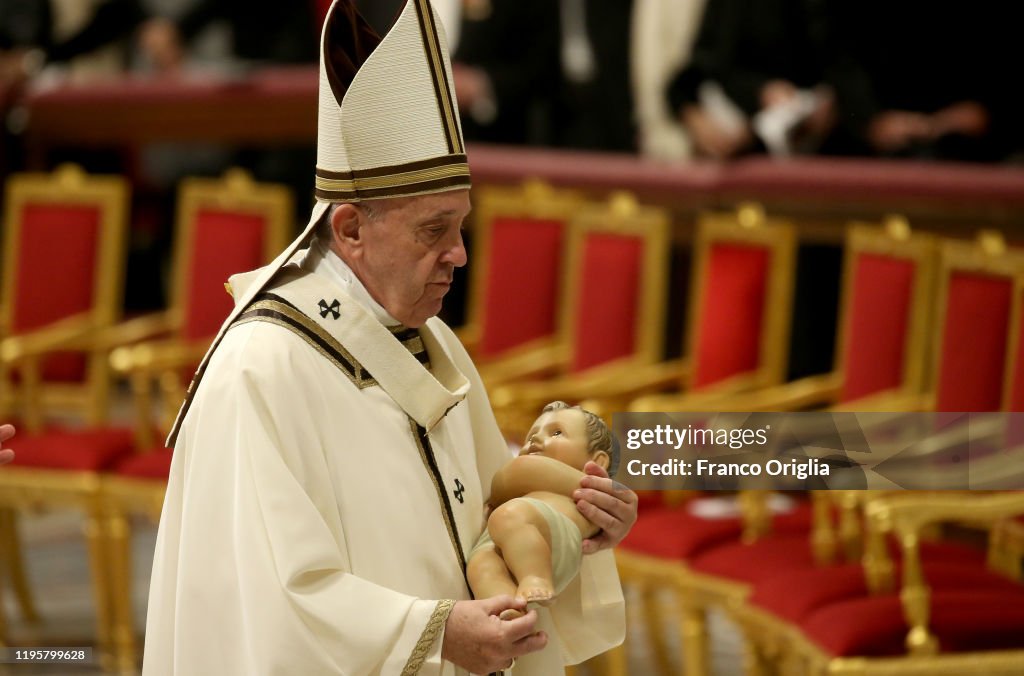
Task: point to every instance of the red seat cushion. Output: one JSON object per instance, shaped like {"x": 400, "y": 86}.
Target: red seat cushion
{"x": 88, "y": 450}
{"x": 152, "y": 464}
{"x": 794, "y": 594}
{"x": 961, "y": 620}
{"x": 773, "y": 553}
{"x": 676, "y": 533}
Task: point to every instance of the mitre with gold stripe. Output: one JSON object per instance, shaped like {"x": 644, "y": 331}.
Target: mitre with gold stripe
{"x": 388, "y": 123}
{"x": 387, "y": 127}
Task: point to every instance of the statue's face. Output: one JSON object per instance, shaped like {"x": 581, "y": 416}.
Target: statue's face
{"x": 560, "y": 435}
{"x": 407, "y": 257}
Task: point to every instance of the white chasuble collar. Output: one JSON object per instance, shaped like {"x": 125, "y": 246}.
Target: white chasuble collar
{"x": 425, "y": 396}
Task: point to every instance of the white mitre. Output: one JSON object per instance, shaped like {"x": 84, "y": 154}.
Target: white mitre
{"x": 388, "y": 122}
{"x": 387, "y": 126}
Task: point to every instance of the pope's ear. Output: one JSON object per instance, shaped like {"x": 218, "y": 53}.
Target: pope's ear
{"x": 601, "y": 458}
{"x": 346, "y": 223}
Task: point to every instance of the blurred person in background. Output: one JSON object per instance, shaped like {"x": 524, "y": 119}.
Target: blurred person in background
{"x": 924, "y": 80}
{"x": 261, "y": 32}
{"x": 537, "y": 72}
{"x": 504, "y": 61}
{"x": 594, "y": 108}
{"x": 754, "y": 82}
{"x": 80, "y": 39}
{"x": 505, "y": 56}
{"x": 88, "y": 36}
{"x": 662, "y": 40}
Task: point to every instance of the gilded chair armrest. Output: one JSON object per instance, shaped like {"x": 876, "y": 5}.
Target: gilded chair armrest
{"x": 611, "y": 380}
{"x": 722, "y": 396}
{"x": 890, "y": 401}
{"x": 75, "y": 332}
{"x": 908, "y": 513}
{"x": 537, "y": 358}
{"x": 146, "y": 327}
{"x": 806, "y": 393}
{"x": 628, "y": 380}
{"x": 158, "y": 356}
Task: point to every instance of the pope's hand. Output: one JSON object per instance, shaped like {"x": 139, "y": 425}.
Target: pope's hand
{"x": 607, "y": 504}
{"x": 477, "y": 640}
{"x": 6, "y": 454}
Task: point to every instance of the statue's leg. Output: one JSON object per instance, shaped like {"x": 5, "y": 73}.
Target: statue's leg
{"x": 488, "y": 575}
{"x": 524, "y": 539}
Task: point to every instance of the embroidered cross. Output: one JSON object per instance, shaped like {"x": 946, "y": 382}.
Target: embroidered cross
{"x": 334, "y": 308}
{"x": 459, "y": 490}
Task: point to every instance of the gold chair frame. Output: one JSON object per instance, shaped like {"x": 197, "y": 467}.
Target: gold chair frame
{"x": 748, "y": 225}
{"x": 892, "y": 239}
{"x": 534, "y": 199}
{"x": 907, "y": 515}
{"x": 518, "y": 403}
{"x": 68, "y": 184}
{"x": 29, "y": 488}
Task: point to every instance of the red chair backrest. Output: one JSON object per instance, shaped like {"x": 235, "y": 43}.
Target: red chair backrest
{"x": 224, "y": 226}
{"x": 224, "y": 243}
{"x": 972, "y": 356}
{"x": 55, "y": 276}
{"x": 521, "y": 291}
{"x": 880, "y": 306}
{"x": 1015, "y": 386}
{"x": 731, "y": 320}
{"x": 609, "y": 301}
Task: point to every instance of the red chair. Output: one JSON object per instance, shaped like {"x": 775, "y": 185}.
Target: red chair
{"x": 63, "y": 267}
{"x": 519, "y": 244}
{"x": 737, "y": 333}
{"x": 976, "y": 292}
{"x": 612, "y": 319}
{"x": 883, "y": 337}
{"x": 947, "y": 616}
{"x": 224, "y": 226}
{"x": 736, "y": 340}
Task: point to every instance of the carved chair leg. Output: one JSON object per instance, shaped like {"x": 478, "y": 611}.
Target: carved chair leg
{"x": 756, "y": 660}
{"x": 3, "y": 613}
{"x": 120, "y": 575}
{"x": 654, "y": 622}
{"x": 95, "y": 538}
{"x": 694, "y": 639}
{"x": 10, "y": 546}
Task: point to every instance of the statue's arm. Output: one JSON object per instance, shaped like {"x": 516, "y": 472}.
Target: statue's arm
{"x": 529, "y": 473}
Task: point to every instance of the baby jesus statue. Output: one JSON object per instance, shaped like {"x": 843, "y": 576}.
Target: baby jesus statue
{"x": 532, "y": 546}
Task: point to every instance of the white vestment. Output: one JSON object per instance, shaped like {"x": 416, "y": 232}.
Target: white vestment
{"x": 324, "y": 489}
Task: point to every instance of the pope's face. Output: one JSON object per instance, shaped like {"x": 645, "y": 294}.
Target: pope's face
{"x": 409, "y": 253}
{"x": 560, "y": 435}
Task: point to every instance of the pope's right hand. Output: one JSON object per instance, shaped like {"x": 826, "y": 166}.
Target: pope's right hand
{"x": 476, "y": 639}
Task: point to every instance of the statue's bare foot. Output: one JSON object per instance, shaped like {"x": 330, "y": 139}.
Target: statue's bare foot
{"x": 535, "y": 590}
{"x": 510, "y": 614}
